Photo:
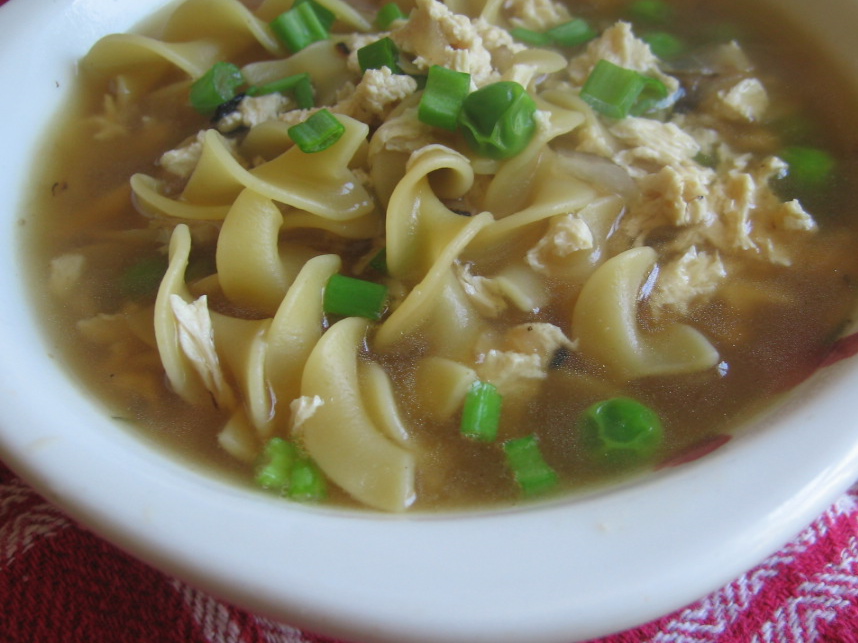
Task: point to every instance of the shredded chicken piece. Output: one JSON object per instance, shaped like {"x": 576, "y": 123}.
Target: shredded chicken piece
{"x": 514, "y": 374}
{"x": 66, "y": 271}
{"x": 676, "y": 196}
{"x": 498, "y": 41}
{"x": 196, "y": 339}
{"x": 378, "y": 91}
{"x": 730, "y": 58}
{"x": 182, "y": 161}
{"x": 537, "y": 15}
{"x": 295, "y": 116}
{"x": 440, "y": 37}
{"x": 492, "y": 295}
{"x": 566, "y": 234}
{"x": 745, "y": 101}
{"x": 522, "y": 361}
{"x": 483, "y": 292}
{"x": 303, "y": 408}
{"x": 538, "y": 338}
{"x": 733, "y": 210}
{"x": 113, "y": 121}
{"x": 253, "y": 110}
{"x": 651, "y": 143}
{"x": 691, "y": 279}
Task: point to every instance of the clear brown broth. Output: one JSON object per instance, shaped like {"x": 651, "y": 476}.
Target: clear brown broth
{"x": 82, "y": 197}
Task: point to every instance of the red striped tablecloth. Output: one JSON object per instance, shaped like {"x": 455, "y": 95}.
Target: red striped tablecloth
{"x": 60, "y": 583}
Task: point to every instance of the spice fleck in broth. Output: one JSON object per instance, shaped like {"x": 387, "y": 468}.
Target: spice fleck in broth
{"x": 433, "y": 256}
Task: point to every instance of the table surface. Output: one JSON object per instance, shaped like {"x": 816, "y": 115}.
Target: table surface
{"x": 61, "y": 583}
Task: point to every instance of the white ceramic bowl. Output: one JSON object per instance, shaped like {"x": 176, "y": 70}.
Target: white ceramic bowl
{"x": 569, "y": 570}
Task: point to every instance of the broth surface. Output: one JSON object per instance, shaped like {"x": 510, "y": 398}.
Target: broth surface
{"x": 95, "y": 246}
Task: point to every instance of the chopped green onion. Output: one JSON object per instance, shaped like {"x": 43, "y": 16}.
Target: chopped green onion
{"x": 809, "y": 167}
{"x": 612, "y": 89}
{"x": 305, "y": 96}
{"x": 530, "y": 37}
{"x": 143, "y": 278}
{"x": 664, "y": 45}
{"x": 481, "y": 413}
{"x": 616, "y": 91}
{"x": 653, "y": 96}
{"x": 300, "y": 26}
{"x": 217, "y": 86}
{"x": 497, "y": 120}
{"x": 325, "y": 15}
{"x": 571, "y": 34}
{"x": 299, "y": 84}
{"x": 378, "y": 54}
{"x": 318, "y": 132}
{"x": 442, "y": 99}
{"x": 379, "y": 261}
{"x": 387, "y": 15}
{"x": 285, "y": 468}
{"x": 529, "y": 468}
{"x": 307, "y": 482}
{"x": 651, "y": 11}
{"x": 350, "y": 297}
{"x": 278, "y": 457}
{"x": 621, "y": 430}
{"x": 568, "y": 34}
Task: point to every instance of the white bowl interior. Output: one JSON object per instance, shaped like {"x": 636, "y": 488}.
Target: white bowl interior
{"x": 571, "y": 569}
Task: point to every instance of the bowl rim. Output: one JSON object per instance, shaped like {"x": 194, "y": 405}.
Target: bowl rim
{"x": 595, "y": 565}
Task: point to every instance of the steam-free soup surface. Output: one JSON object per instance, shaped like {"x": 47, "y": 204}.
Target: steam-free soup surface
{"x": 679, "y": 266}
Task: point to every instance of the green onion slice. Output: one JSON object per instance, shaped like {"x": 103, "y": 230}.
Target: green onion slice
{"x": 301, "y": 26}
{"x": 611, "y": 89}
{"x": 617, "y": 92}
{"x": 387, "y": 15}
{"x": 571, "y": 34}
{"x": 664, "y": 45}
{"x": 275, "y": 466}
{"x": 378, "y": 54}
{"x": 298, "y": 84}
{"x": 809, "y": 167}
{"x": 481, "y": 413}
{"x": 568, "y": 34}
{"x": 497, "y": 120}
{"x": 651, "y": 11}
{"x": 621, "y": 431}
{"x": 325, "y": 15}
{"x": 443, "y": 97}
{"x": 528, "y": 466}
{"x": 307, "y": 482}
{"x": 350, "y": 297}
{"x": 318, "y": 132}
{"x": 217, "y": 86}
{"x": 305, "y": 95}
{"x": 653, "y": 96}
{"x": 285, "y": 468}
{"x": 530, "y": 37}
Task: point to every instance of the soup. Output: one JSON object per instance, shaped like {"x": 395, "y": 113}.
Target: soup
{"x": 434, "y": 256}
